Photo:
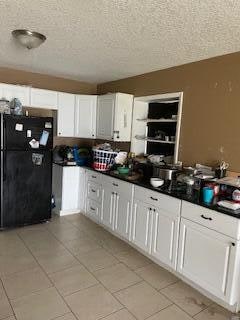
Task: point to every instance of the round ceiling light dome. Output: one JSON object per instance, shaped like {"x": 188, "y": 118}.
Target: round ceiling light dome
{"x": 28, "y": 39}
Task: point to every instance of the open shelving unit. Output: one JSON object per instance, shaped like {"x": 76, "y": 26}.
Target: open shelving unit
{"x": 156, "y": 125}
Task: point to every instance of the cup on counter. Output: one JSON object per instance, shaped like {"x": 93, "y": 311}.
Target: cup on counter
{"x": 208, "y": 194}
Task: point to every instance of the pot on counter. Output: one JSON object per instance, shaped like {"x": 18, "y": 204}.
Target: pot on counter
{"x": 165, "y": 172}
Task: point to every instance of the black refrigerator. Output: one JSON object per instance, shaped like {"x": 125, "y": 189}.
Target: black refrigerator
{"x": 26, "y": 169}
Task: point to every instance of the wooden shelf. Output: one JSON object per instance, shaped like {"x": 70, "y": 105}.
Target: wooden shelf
{"x": 153, "y": 140}
{"x": 157, "y": 120}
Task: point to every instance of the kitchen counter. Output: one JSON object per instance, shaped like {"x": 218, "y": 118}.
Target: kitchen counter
{"x": 195, "y": 198}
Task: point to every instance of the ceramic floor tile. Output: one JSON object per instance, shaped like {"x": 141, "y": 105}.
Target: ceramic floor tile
{"x": 24, "y": 283}
{"x": 68, "y": 316}
{"x": 187, "y": 298}
{"x": 215, "y": 312}
{"x": 46, "y": 304}
{"x": 73, "y": 279}
{"x": 59, "y": 261}
{"x": 10, "y": 318}
{"x": 117, "y": 277}
{"x": 133, "y": 259}
{"x": 120, "y": 315}
{"x": 10, "y": 263}
{"x": 82, "y": 245}
{"x": 142, "y": 300}
{"x": 67, "y": 234}
{"x": 171, "y": 313}
{"x": 158, "y": 277}
{"x": 97, "y": 259}
{"x": 114, "y": 245}
{"x": 5, "y": 308}
{"x": 93, "y": 303}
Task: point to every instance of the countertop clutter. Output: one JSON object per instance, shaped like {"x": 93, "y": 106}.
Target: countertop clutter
{"x": 176, "y": 191}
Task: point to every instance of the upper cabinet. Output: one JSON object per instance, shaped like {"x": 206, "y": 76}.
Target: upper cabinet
{"x": 10, "y": 91}
{"x": 85, "y": 116}
{"x": 45, "y": 99}
{"x": 66, "y": 113}
{"x": 114, "y": 117}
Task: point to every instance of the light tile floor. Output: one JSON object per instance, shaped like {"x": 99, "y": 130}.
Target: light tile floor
{"x": 70, "y": 268}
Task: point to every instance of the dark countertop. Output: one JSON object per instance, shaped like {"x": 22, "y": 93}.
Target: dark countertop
{"x": 195, "y": 198}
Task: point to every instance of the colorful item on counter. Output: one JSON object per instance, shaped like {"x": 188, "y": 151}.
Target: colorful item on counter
{"x": 208, "y": 194}
{"x": 236, "y": 195}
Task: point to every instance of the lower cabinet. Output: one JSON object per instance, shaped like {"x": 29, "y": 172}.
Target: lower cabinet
{"x": 208, "y": 258}
{"x": 116, "y": 210}
{"x": 107, "y": 207}
{"x": 156, "y": 232}
{"x": 93, "y": 209}
{"x": 68, "y": 186}
{"x": 141, "y": 225}
{"x": 165, "y": 237}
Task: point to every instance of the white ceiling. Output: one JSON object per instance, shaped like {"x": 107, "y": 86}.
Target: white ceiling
{"x": 103, "y": 40}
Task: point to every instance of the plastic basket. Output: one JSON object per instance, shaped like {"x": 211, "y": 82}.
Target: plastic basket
{"x": 103, "y": 160}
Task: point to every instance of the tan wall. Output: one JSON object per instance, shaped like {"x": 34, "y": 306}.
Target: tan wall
{"x": 43, "y": 81}
{"x": 211, "y": 106}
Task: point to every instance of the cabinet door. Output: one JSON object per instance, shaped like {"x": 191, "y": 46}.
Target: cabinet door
{"x": 164, "y": 241}
{"x": 82, "y": 189}
{"x": 66, "y": 105}
{"x": 142, "y": 225}
{"x": 93, "y": 209}
{"x": 108, "y": 207}
{"x": 105, "y": 114}
{"x": 45, "y": 99}
{"x": 123, "y": 117}
{"x": 85, "y": 116}
{"x": 207, "y": 258}
{"x": 122, "y": 215}
{"x": 70, "y": 189}
{"x": 10, "y": 92}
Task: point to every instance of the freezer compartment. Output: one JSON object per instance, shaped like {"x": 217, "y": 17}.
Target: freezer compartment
{"x": 18, "y": 132}
{"x": 26, "y": 183}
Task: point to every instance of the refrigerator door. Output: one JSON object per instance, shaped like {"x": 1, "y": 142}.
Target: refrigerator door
{"x": 18, "y": 131}
{"x": 26, "y": 187}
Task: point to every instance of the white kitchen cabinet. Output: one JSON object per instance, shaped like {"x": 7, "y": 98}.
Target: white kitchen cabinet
{"x": 68, "y": 185}
{"x": 122, "y": 214}
{"x": 10, "y": 91}
{"x": 93, "y": 209}
{"x": 108, "y": 207}
{"x": 85, "y": 116}
{"x": 208, "y": 258}
{"x": 45, "y": 99}
{"x": 142, "y": 225}
{"x": 165, "y": 236}
{"x": 66, "y": 114}
{"x": 117, "y": 205}
{"x": 114, "y": 117}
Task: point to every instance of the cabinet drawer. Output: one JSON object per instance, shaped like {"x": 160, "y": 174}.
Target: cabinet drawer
{"x": 162, "y": 201}
{"x": 93, "y": 209}
{"x": 94, "y": 191}
{"x": 212, "y": 219}
{"x": 118, "y": 186}
{"x": 94, "y": 176}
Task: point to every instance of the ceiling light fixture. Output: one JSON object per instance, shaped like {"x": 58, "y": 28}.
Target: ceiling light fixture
{"x": 28, "y": 39}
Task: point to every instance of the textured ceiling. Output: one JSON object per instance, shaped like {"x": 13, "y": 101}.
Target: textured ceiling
{"x": 103, "y": 40}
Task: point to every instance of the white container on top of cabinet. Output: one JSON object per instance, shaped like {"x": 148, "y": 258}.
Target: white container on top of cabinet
{"x": 114, "y": 117}
{"x": 85, "y": 116}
